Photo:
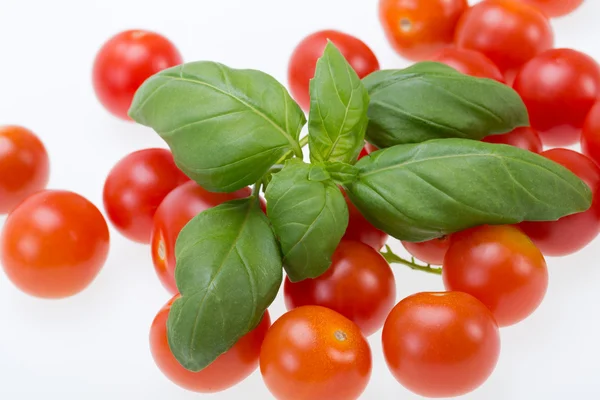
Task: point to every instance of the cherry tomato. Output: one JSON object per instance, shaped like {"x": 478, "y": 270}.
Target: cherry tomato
{"x": 24, "y": 166}
{"x": 441, "y": 344}
{"x": 136, "y": 186}
{"x": 469, "y": 62}
{"x": 432, "y": 251}
{"x": 559, "y": 88}
{"x": 525, "y": 138}
{"x": 226, "y": 371}
{"x": 500, "y": 267}
{"x": 370, "y": 148}
{"x": 590, "y": 138}
{"x": 359, "y": 284}
{"x": 125, "y": 61}
{"x": 363, "y": 153}
{"x": 555, "y": 8}
{"x": 304, "y": 60}
{"x": 573, "y": 232}
{"x": 312, "y": 353}
{"x": 54, "y": 244}
{"x": 175, "y": 211}
{"x": 419, "y": 28}
{"x": 508, "y": 32}
{"x": 361, "y": 230}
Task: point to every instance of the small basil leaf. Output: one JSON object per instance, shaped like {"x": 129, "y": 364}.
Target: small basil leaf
{"x": 341, "y": 173}
{"x": 228, "y": 272}
{"x": 226, "y": 127}
{"x": 417, "y": 192}
{"x": 309, "y": 218}
{"x": 338, "y": 110}
{"x": 318, "y": 173}
{"x": 430, "y": 100}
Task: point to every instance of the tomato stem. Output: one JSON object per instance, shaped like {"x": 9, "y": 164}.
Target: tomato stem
{"x": 393, "y": 258}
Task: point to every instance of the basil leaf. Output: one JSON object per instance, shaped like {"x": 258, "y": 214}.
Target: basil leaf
{"x": 226, "y": 127}
{"x": 228, "y": 272}
{"x": 430, "y": 100}
{"x": 309, "y": 218}
{"x": 338, "y": 110}
{"x": 341, "y": 173}
{"x": 417, "y": 192}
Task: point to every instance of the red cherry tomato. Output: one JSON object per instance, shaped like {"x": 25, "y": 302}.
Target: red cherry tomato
{"x": 500, "y": 267}
{"x": 508, "y": 32}
{"x": 590, "y": 138}
{"x": 24, "y": 166}
{"x": 363, "y": 153}
{"x": 571, "y": 233}
{"x": 226, "y": 371}
{"x": 432, "y": 251}
{"x": 175, "y": 211}
{"x": 136, "y": 186}
{"x": 125, "y": 61}
{"x": 418, "y": 28}
{"x": 359, "y": 285}
{"x": 54, "y": 244}
{"x": 315, "y": 353}
{"x": 525, "y": 138}
{"x": 370, "y": 148}
{"x": 555, "y": 8}
{"x": 361, "y": 230}
{"x": 469, "y": 62}
{"x": 304, "y": 60}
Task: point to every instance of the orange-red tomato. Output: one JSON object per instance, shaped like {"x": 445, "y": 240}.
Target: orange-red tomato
{"x": 432, "y": 251}
{"x": 590, "y": 137}
{"x": 361, "y": 230}
{"x": 469, "y": 62}
{"x": 419, "y": 28}
{"x": 525, "y": 138}
{"x": 359, "y": 284}
{"x": 556, "y": 8}
{"x": 227, "y": 370}
{"x": 24, "y": 166}
{"x": 54, "y": 244}
{"x": 441, "y": 344}
{"x": 313, "y": 353}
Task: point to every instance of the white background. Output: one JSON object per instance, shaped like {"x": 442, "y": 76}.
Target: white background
{"x": 95, "y": 345}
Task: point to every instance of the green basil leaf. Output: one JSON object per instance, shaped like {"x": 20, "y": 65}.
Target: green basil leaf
{"x": 432, "y": 101}
{"x": 417, "y": 192}
{"x": 309, "y": 218}
{"x": 226, "y": 127}
{"x": 228, "y": 272}
{"x": 341, "y": 173}
{"x": 338, "y": 110}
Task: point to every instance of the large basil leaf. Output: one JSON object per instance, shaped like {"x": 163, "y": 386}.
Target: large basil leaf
{"x": 417, "y": 192}
{"x": 228, "y": 272}
{"x": 431, "y": 100}
{"x": 309, "y": 217}
{"x": 338, "y": 110}
{"x": 226, "y": 127}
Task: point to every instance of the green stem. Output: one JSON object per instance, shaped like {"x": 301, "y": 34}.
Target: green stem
{"x": 396, "y": 259}
{"x": 256, "y": 189}
{"x": 303, "y": 142}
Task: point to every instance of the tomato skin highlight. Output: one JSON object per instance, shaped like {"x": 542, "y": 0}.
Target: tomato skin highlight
{"x": 359, "y": 284}
{"x": 431, "y": 252}
{"x": 590, "y": 137}
{"x": 136, "y": 186}
{"x": 572, "y": 233}
{"x": 555, "y": 8}
{"x": 441, "y": 344}
{"x": 312, "y": 353}
{"x": 559, "y": 88}
{"x": 54, "y": 244}
{"x": 24, "y": 166}
{"x": 499, "y": 266}
{"x": 124, "y": 62}
{"x": 469, "y": 62}
{"x": 227, "y": 370}
{"x": 304, "y": 58}
{"x": 524, "y": 138}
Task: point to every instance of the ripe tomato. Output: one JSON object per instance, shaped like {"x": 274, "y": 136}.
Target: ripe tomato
{"x": 469, "y": 62}
{"x": 525, "y": 138}
{"x": 136, "y": 186}
{"x": 226, "y": 371}
{"x": 125, "y": 61}
{"x": 24, "y": 166}
{"x": 175, "y": 211}
{"x": 304, "y": 60}
{"x": 419, "y": 28}
{"x": 359, "y": 284}
{"x": 590, "y": 138}
{"x": 559, "y": 88}
{"x": 555, "y": 8}
{"x": 361, "y": 230}
{"x": 573, "y": 232}
{"x": 508, "y": 32}
{"x": 441, "y": 344}
{"x": 313, "y": 352}
{"x": 54, "y": 244}
{"x": 500, "y": 267}
{"x": 370, "y": 148}
{"x": 432, "y": 251}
